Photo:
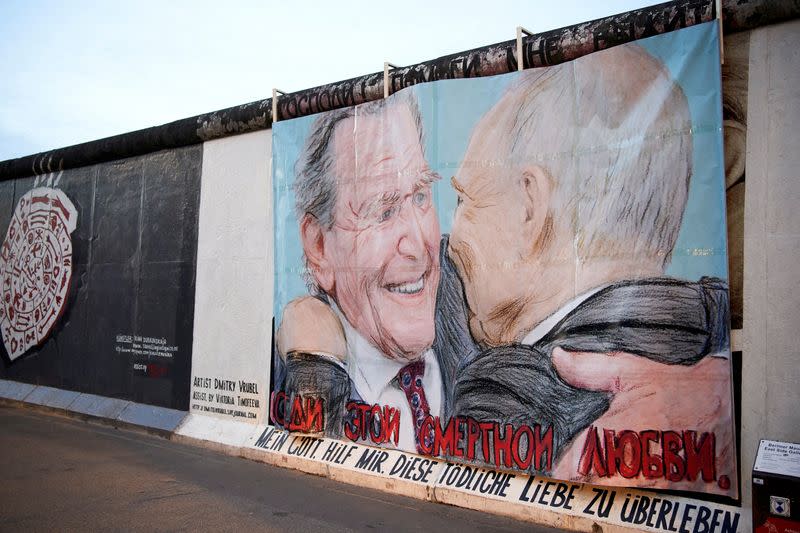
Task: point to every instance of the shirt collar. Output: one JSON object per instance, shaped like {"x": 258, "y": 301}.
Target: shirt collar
{"x": 544, "y": 327}
{"x": 370, "y": 370}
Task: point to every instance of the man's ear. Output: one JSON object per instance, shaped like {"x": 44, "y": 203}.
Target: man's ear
{"x": 319, "y": 262}
{"x": 735, "y": 139}
{"x": 536, "y": 187}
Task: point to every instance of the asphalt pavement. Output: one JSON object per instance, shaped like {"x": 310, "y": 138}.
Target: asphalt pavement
{"x": 62, "y": 474}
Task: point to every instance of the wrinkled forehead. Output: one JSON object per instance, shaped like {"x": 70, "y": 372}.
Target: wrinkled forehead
{"x": 378, "y": 154}
{"x": 383, "y": 142}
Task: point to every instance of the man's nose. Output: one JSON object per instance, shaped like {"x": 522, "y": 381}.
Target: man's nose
{"x": 411, "y": 243}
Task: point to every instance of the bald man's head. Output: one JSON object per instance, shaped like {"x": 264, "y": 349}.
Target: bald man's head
{"x": 584, "y": 161}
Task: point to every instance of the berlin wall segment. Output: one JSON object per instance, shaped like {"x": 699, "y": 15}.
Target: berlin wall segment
{"x": 98, "y": 279}
{"x": 160, "y": 345}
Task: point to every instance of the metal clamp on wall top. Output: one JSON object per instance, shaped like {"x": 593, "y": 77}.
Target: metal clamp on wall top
{"x": 520, "y": 61}
{"x": 386, "y": 68}
{"x": 275, "y": 93}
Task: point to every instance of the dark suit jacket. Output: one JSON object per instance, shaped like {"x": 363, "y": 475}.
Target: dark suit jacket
{"x": 666, "y": 320}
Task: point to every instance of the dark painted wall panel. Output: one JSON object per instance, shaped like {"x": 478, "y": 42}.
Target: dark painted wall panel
{"x": 171, "y": 203}
{"x": 133, "y": 274}
{"x": 110, "y": 311}
{"x": 6, "y": 204}
{"x": 117, "y": 210}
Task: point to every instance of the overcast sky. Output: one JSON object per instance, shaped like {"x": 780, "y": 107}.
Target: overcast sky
{"x": 76, "y": 71}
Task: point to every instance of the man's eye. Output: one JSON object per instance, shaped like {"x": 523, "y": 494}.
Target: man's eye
{"x": 386, "y": 214}
{"x": 459, "y": 200}
{"x": 420, "y": 198}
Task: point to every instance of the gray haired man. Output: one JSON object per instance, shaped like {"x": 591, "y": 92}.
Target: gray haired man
{"x": 370, "y": 238}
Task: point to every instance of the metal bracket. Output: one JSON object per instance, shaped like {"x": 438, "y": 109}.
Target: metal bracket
{"x": 520, "y": 61}
{"x": 386, "y": 68}
{"x": 275, "y": 93}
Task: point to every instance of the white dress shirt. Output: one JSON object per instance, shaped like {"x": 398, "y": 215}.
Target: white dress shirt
{"x": 374, "y": 376}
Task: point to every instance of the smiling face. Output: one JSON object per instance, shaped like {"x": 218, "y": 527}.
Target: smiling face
{"x": 381, "y": 257}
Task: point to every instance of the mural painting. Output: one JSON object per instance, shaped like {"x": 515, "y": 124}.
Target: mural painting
{"x": 36, "y": 259}
{"x": 527, "y": 272}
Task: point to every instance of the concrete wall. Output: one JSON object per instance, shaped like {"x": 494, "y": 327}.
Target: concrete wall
{"x": 232, "y": 292}
{"x": 125, "y": 328}
{"x": 235, "y": 272}
{"x": 771, "y": 356}
{"x": 232, "y": 333}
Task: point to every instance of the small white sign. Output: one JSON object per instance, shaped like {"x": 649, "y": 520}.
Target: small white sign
{"x": 779, "y": 506}
{"x": 778, "y": 458}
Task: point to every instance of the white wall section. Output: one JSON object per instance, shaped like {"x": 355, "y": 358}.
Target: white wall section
{"x": 771, "y": 354}
{"x": 233, "y": 310}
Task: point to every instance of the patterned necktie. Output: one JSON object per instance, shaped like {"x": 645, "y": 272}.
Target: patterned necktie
{"x": 410, "y": 379}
